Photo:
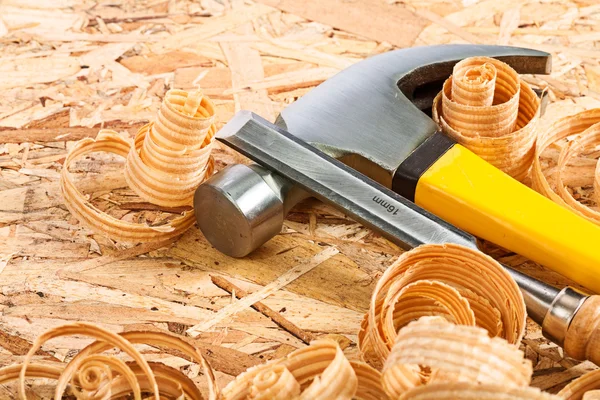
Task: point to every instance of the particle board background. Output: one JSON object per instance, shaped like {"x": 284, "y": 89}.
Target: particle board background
{"x": 69, "y": 67}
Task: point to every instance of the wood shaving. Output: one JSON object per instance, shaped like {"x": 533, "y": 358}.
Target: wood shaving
{"x": 460, "y": 284}
{"x": 453, "y": 353}
{"x": 319, "y": 371}
{"x": 170, "y": 156}
{"x": 486, "y": 107}
{"x": 92, "y": 375}
{"x": 432, "y": 358}
{"x": 584, "y": 127}
{"x": 99, "y": 221}
{"x": 275, "y": 383}
{"x": 167, "y": 161}
{"x": 577, "y": 389}
{"x": 369, "y": 382}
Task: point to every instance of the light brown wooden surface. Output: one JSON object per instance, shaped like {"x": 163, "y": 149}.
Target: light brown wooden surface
{"x": 583, "y": 337}
{"x": 68, "y": 67}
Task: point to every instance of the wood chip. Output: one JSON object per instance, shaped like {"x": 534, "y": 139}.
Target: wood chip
{"x": 25, "y": 72}
{"x": 168, "y": 62}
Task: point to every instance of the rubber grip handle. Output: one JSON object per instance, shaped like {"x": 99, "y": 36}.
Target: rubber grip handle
{"x": 582, "y": 341}
{"x": 470, "y": 193}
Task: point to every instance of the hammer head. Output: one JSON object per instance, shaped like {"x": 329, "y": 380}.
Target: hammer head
{"x": 370, "y": 116}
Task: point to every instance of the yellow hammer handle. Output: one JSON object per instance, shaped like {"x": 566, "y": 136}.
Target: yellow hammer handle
{"x": 473, "y": 195}
{"x": 582, "y": 341}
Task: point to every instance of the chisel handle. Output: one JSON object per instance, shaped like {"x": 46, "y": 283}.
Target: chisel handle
{"x": 470, "y": 193}
{"x": 582, "y": 340}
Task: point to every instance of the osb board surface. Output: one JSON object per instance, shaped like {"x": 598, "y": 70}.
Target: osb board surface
{"x": 68, "y": 67}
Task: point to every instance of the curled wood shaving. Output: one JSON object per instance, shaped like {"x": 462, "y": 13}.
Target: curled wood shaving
{"x": 166, "y": 163}
{"x": 172, "y": 384}
{"x": 92, "y": 375}
{"x": 453, "y": 353}
{"x": 99, "y": 221}
{"x": 473, "y": 391}
{"x": 577, "y": 389}
{"x": 369, "y": 382}
{"x": 460, "y": 284}
{"x": 319, "y": 371}
{"x": 275, "y": 383}
{"x": 486, "y": 107}
{"x": 12, "y": 372}
{"x": 585, "y": 127}
{"x": 170, "y": 157}
{"x": 421, "y": 298}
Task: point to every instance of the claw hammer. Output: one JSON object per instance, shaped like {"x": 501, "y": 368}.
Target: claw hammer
{"x": 362, "y": 132}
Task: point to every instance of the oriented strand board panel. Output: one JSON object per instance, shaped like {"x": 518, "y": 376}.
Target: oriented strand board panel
{"x": 69, "y": 68}
{"x": 374, "y": 19}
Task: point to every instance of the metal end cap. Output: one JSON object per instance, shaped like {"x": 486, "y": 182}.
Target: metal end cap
{"x": 561, "y": 313}
{"x": 237, "y": 211}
